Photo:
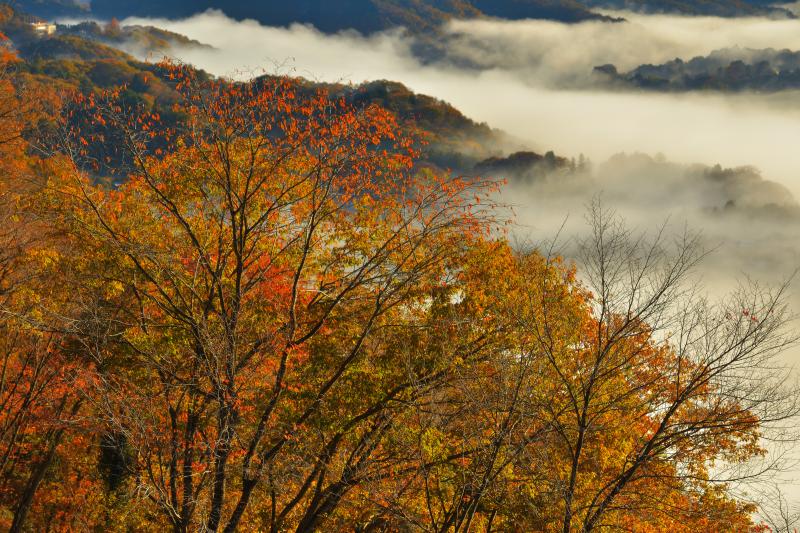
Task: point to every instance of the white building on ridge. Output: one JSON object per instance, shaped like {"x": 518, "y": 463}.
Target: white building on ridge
{"x": 44, "y": 28}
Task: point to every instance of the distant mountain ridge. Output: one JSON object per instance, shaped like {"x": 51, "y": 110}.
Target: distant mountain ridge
{"x": 368, "y": 16}
{"x": 728, "y": 69}
{"x": 720, "y": 8}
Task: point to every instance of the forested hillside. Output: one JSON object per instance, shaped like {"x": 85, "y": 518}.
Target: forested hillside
{"x": 87, "y": 57}
{"x": 721, "y": 8}
{"x": 723, "y": 70}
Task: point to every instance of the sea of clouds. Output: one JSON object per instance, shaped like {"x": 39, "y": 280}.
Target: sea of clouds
{"x": 533, "y": 80}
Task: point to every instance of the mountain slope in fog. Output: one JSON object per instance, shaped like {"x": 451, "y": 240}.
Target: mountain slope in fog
{"x": 643, "y": 180}
{"x": 719, "y": 8}
{"x": 90, "y": 40}
{"x": 366, "y": 16}
{"x": 369, "y": 16}
{"x": 729, "y": 69}
{"x": 90, "y": 57}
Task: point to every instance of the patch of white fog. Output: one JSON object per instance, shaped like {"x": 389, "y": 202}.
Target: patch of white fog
{"x": 546, "y": 50}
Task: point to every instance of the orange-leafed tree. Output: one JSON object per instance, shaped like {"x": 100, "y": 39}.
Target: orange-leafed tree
{"x": 493, "y": 448}
{"x": 660, "y": 400}
{"x": 253, "y": 270}
{"x": 496, "y": 446}
{"x": 38, "y": 400}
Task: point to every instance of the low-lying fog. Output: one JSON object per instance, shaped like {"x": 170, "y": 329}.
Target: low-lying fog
{"x": 532, "y": 79}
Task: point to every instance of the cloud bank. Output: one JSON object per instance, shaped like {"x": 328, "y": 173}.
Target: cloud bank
{"x": 546, "y": 49}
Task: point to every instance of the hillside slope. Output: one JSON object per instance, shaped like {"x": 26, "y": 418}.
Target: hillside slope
{"x": 719, "y": 8}
{"x": 366, "y": 16}
{"x": 729, "y": 69}
{"x": 89, "y": 57}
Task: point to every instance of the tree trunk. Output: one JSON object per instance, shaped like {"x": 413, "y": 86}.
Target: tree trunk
{"x": 34, "y": 481}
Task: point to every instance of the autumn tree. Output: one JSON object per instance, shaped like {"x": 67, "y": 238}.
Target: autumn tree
{"x": 662, "y": 397}
{"x": 251, "y": 273}
{"x": 612, "y": 396}
{"x": 113, "y": 28}
{"x": 38, "y": 404}
{"x": 472, "y": 434}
